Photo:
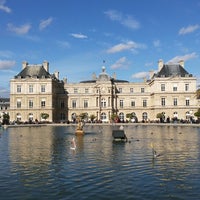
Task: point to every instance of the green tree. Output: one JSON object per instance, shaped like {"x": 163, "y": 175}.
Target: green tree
{"x": 160, "y": 116}
{"x": 197, "y": 114}
{"x": 83, "y": 116}
{"x": 6, "y": 118}
{"x": 92, "y": 117}
{"x": 44, "y": 116}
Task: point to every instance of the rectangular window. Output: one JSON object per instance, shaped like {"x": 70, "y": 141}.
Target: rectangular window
{"x": 131, "y": 90}
{"x": 86, "y": 90}
{"x": 175, "y": 88}
{"x": 162, "y": 87}
{"x": 18, "y": 103}
{"x": 30, "y": 103}
{"x": 19, "y": 88}
{"x": 163, "y": 101}
{"x": 85, "y": 104}
{"x": 144, "y": 103}
{"x": 120, "y": 90}
{"x": 142, "y": 90}
{"x": 186, "y": 87}
{"x": 187, "y": 102}
{"x": 42, "y": 88}
{"x": 43, "y": 103}
{"x": 132, "y": 103}
{"x": 73, "y": 103}
{"x": 30, "y": 88}
{"x": 75, "y": 90}
{"x": 175, "y": 102}
{"x": 121, "y": 103}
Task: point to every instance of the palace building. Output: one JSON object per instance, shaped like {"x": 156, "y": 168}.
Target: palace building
{"x": 171, "y": 91}
{"x": 35, "y": 91}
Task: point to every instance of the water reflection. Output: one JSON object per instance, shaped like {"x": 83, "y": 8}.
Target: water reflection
{"x": 37, "y": 162}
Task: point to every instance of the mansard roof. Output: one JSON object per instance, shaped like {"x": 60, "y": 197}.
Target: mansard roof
{"x": 34, "y": 71}
{"x": 169, "y": 70}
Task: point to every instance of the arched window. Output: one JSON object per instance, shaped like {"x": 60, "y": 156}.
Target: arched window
{"x": 121, "y": 117}
{"x": 103, "y": 117}
{"x": 144, "y": 116}
{"x": 18, "y": 117}
{"x": 30, "y": 117}
{"x": 73, "y": 117}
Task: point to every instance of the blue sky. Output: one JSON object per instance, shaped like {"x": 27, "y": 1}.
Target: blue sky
{"x": 76, "y": 36}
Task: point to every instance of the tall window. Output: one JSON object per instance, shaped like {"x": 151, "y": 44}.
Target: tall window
{"x": 75, "y": 90}
{"x": 103, "y": 116}
{"x": 132, "y": 103}
{"x": 73, "y": 103}
{"x": 30, "y": 88}
{"x": 86, "y": 90}
{"x": 85, "y": 104}
{"x": 30, "y": 103}
{"x": 121, "y": 103}
{"x": 175, "y": 87}
{"x": 187, "y": 102}
{"x": 103, "y": 103}
{"x": 186, "y": 87}
{"x": 120, "y": 90}
{"x": 142, "y": 90}
{"x": 163, "y": 101}
{"x": 162, "y": 87}
{"x": 42, "y": 88}
{"x": 18, "y": 103}
{"x": 121, "y": 117}
{"x": 175, "y": 101}
{"x": 144, "y": 103}
{"x": 131, "y": 90}
{"x": 43, "y": 103}
{"x": 19, "y": 88}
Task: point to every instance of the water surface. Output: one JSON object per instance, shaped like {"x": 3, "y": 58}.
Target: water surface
{"x": 37, "y": 163}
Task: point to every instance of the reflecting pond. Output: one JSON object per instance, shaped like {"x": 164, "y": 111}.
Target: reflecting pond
{"x": 38, "y": 163}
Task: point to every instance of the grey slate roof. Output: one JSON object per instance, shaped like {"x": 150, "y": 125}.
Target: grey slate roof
{"x": 169, "y": 70}
{"x": 34, "y": 71}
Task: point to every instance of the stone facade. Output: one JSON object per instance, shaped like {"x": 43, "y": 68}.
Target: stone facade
{"x": 34, "y": 91}
{"x": 171, "y": 91}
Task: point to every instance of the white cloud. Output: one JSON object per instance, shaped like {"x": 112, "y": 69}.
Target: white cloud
{"x": 125, "y": 20}
{"x": 20, "y": 30}
{"x": 189, "y": 29}
{"x": 3, "y": 7}
{"x": 140, "y": 75}
{"x": 185, "y": 57}
{"x": 44, "y": 23}
{"x": 79, "y": 36}
{"x": 63, "y": 44}
{"x": 130, "y": 45}
{"x": 7, "y": 64}
{"x": 121, "y": 63}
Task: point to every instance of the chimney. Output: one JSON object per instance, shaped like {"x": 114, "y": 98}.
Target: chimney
{"x": 65, "y": 80}
{"x": 160, "y": 64}
{"x": 181, "y": 63}
{"x": 24, "y": 64}
{"x": 46, "y": 65}
{"x": 56, "y": 73}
